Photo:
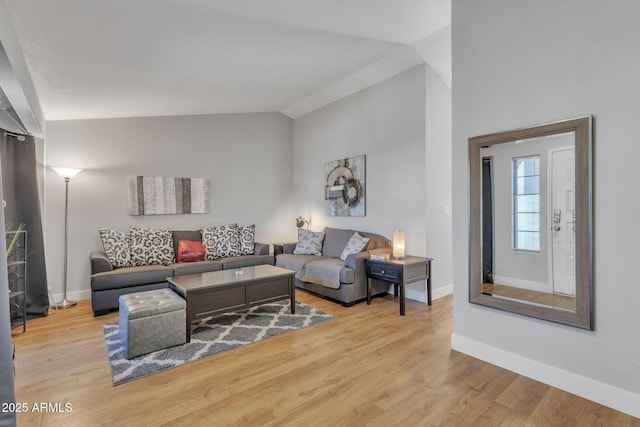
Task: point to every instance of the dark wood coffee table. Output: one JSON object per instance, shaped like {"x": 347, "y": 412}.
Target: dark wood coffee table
{"x": 217, "y": 292}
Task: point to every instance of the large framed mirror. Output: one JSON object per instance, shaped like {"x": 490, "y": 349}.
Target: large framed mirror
{"x": 531, "y": 221}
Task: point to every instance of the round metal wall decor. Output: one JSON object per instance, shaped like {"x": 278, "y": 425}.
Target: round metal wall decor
{"x": 352, "y": 191}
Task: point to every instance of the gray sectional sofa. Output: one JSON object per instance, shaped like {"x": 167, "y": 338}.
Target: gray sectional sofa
{"x": 312, "y": 271}
{"x": 109, "y": 282}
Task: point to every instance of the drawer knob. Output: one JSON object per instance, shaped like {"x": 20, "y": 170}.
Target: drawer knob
{"x": 382, "y": 271}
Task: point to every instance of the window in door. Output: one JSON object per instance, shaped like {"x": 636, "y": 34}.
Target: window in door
{"x": 526, "y": 203}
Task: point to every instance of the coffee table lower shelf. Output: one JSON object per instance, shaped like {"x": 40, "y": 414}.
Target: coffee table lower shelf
{"x": 217, "y": 292}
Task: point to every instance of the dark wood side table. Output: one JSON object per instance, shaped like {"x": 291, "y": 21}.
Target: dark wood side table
{"x": 400, "y": 273}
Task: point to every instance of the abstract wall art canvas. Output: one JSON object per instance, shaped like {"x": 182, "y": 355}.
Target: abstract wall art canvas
{"x": 156, "y": 195}
{"x": 344, "y": 190}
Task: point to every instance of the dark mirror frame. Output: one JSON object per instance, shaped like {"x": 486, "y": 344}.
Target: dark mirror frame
{"x": 583, "y": 316}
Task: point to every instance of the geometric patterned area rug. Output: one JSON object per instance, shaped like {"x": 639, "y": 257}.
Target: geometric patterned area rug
{"x": 211, "y": 336}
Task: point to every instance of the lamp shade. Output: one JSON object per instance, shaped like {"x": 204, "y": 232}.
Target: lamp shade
{"x": 398, "y": 244}
{"x": 66, "y": 173}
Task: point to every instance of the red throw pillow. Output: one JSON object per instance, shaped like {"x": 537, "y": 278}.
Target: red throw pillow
{"x": 189, "y": 251}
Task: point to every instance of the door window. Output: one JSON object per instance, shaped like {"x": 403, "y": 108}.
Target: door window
{"x": 526, "y": 203}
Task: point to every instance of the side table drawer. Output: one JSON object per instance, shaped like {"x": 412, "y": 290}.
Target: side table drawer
{"x": 388, "y": 272}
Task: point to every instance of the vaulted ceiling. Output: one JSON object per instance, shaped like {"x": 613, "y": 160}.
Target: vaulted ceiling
{"x": 126, "y": 58}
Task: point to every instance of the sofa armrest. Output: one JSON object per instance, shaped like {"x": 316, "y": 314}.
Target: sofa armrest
{"x": 288, "y": 248}
{"x": 356, "y": 261}
{"x": 261, "y": 248}
{"x": 283, "y": 248}
{"x": 99, "y": 262}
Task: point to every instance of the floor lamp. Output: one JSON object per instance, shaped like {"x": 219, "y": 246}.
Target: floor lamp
{"x": 67, "y": 174}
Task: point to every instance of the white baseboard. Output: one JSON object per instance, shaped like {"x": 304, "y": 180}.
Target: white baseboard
{"x": 442, "y": 291}
{"x": 604, "y": 394}
{"x": 523, "y": 284}
{"x": 421, "y": 296}
{"x": 72, "y": 296}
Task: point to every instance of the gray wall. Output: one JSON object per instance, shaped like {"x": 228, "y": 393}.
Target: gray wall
{"x": 385, "y": 122}
{"x": 246, "y": 157}
{"x": 438, "y": 238}
{"x": 523, "y": 63}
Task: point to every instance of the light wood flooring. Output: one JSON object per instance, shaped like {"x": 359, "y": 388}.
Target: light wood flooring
{"x": 563, "y": 302}
{"x": 367, "y": 367}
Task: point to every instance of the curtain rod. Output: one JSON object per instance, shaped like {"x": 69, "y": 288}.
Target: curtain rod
{"x": 17, "y": 135}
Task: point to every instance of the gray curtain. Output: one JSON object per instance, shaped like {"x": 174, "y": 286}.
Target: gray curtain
{"x": 20, "y": 190}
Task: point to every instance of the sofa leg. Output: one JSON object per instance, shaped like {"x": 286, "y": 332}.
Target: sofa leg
{"x": 97, "y": 313}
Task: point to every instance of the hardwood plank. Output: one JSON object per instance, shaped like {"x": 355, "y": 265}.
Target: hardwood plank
{"x": 369, "y": 366}
{"x": 523, "y": 395}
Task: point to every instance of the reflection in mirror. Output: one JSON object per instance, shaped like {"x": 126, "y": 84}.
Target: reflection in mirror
{"x": 531, "y": 221}
{"x": 527, "y": 210}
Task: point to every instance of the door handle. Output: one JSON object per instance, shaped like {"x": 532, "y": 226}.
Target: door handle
{"x": 556, "y": 228}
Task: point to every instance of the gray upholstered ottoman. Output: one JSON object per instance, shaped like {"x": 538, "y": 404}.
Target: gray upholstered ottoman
{"x": 151, "y": 321}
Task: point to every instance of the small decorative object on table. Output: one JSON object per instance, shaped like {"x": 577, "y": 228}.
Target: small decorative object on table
{"x": 380, "y": 256}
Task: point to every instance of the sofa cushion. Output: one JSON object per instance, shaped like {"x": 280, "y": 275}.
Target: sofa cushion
{"x": 247, "y": 236}
{"x": 309, "y": 242}
{"x": 245, "y": 261}
{"x": 117, "y": 247}
{"x": 127, "y": 277}
{"x": 189, "y": 251}
{"x": 221, "y": 241}
{"x": 192, "y": 235}
{"x": 330, "y": 272}
{"x": 293, "y": 262}
{"x": 261, "y": 248}
{"x": 355, "y": 244}
{"x": 197, "y": 267}
{"x": 296, "y": 262}
{"x": 151, "y": 246}
{"x": 335, "y": 240}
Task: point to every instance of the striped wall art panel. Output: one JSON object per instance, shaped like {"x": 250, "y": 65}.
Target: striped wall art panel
{"x": 156, "y": 195}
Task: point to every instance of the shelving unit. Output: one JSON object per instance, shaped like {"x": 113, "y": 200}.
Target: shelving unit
{"x": 17, "y": 274}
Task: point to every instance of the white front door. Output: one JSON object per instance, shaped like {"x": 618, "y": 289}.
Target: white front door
{"x": 563, "y": 221}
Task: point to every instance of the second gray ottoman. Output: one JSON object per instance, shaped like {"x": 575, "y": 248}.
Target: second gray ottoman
{"x": 151, "y": 320}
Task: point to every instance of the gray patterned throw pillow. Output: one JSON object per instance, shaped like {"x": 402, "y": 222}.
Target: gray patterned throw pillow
{"x": 355, "y": 244}
{"x": 309, "y": 242}
{"x": 221, "y": 241}
{"x": 116, "y": 246}
{"x": 151, "y": 246}
{"x": 247, "y": 236}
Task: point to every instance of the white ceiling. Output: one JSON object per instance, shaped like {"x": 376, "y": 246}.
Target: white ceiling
{"x": 127, "y": 58}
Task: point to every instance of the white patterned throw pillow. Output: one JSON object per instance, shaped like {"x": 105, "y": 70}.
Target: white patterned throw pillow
{"x": 221, "y": 241}
{"x": 309, "y": 242}
{"x": 355, "y": 244}
{"x": 116, "y": 246}
{"x": 151, "y": 246}
{"x": 247, "y": 236}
